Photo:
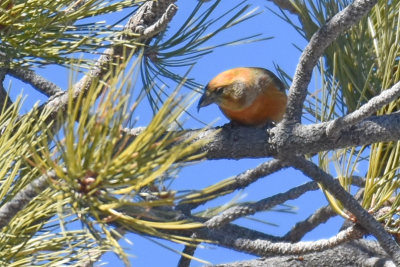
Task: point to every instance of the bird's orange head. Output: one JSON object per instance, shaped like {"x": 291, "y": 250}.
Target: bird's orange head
{"x": 248, "y": 95}
{"x": 228, "y": 89}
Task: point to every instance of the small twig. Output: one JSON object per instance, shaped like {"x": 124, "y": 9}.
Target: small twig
{"x": 184, "y": 261}
{"x": 23, "y": 197}
{"x": 38, "y": 82}
{"x": 301, "y": 228}
{"x": 363, "y": 217}
{"x": 373, "y": 105}
{"x": 4, "y": 97}
{"x": 239, "y": 181}
{"x": 320, "y": 216}
{"x": 315, "y": 48}
{"x": 133, "y": 132}
{"x": 248, "y": 209}
{"x": 358, "y": 181}
{"x": 242, "y": 210}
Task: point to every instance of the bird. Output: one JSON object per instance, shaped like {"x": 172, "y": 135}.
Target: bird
{"x": 249, "y": 96}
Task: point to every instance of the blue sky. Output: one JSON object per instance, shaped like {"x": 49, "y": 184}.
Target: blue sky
{"x": 279, "y": 50}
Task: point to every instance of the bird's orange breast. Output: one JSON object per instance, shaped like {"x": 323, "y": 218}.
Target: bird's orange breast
{"x": 269, "y": 105}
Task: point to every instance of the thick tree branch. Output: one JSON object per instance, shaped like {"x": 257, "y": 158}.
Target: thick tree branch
{"x": 246, "y": 142}
{"x": 235, "y": 231}
{"x": 363, "y": 217}
{"x": 315, "y": 48}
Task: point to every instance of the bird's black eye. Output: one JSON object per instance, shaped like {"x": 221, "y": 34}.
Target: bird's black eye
{"x": 219, "y": 90}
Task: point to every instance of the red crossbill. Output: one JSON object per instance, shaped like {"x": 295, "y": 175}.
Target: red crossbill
{"x": 248, "y": 96}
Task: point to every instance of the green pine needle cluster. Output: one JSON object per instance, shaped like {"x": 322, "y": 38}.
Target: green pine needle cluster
{"x": 109, "y": 179}
{"x": 43, "y": 32}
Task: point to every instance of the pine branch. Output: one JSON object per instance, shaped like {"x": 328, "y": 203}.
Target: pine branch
{"x": 320, "y": 216}
{"x": 150, "y": 18}
{"x": 38, "y": 82}
{"x": 372, "y": 106}
{"x": 242, "y": 210}
{"x": 261, "y": 247}
{"x": 265, "y": 204}
{"x": 353, "y": 253}
{"x": 315, "y": 48}
{"x": 363, "y": 217}
{"x": 301, "y": 228}
{"x": 239, "y": 182}
{"x": 184, "y": 261}
{"x": 60, "y": 102}
{"x": 22, "y": 198}
{"x": 245, "y": 142}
